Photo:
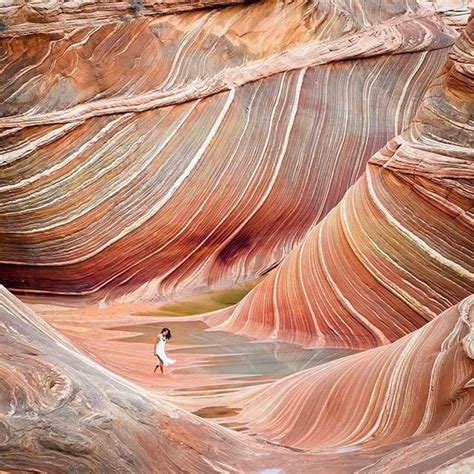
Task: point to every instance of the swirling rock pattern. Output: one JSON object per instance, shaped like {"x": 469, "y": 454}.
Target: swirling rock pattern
{"x": 146, "y": 155}
{"x": 417, "y": 385}
{"x": 61, "y": 412}
{"x": 397, "y": 249}
{"x": 24, "y": 18}
{"x": 72, "y": 414}
{"x": 448, "y": 452}
{"x": 189, "y": 171}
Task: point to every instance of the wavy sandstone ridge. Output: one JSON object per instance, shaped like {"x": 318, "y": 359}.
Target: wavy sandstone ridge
{"x": 52, "y": 16}
{"x": 92, "y": 228}
{"x": 418, "y": 385}
{"x": 144, "y": 63}
{"x": 61, "y": 411}
{"x": 25, "y": 18}
{"x": 449, "y": 452}
{"x": 192, "y": 171}
{"x": 71, "y": 413}
{"x": 397, "y": 250}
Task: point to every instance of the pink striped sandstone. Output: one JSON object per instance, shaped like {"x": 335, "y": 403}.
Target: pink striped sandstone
{"x": 416, "y": 386}
{"x": 397, "y": 250}
{"x": 259, "y": 149}
{"x": 61, "y": 411}
{"x": 99, "y": 171}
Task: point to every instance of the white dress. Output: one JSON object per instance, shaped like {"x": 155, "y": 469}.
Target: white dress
{"x": 161, "y": 353}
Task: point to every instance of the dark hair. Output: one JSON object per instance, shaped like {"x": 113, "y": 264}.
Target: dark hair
{"x": 168, "y": 336}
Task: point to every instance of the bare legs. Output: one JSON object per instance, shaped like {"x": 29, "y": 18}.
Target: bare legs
{"x": 160, "y": 365}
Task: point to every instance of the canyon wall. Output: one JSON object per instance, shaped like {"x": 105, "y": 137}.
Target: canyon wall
{"x": 157, "y": 155}
{"x": 397, "y": 249}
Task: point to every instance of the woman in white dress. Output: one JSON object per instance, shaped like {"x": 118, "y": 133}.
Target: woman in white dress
{"x": 160, "y": 349}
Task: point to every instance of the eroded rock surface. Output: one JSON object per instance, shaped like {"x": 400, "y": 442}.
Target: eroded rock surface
{"x": 397, "y": 249}
{"x": 319, "y": 152}
{"x": 168, "y": 154}
{"x": 415, "y": 386}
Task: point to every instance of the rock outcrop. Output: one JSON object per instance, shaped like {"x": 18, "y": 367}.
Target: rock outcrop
{"x": 397, "y": 250}
{"x": 60, "y": 411}
{"x": 164, "y": 154}
{"x": 317, "y": 151}
{"x": 418, "y": 385}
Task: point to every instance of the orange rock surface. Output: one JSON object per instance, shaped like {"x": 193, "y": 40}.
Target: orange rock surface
{"x": 397, "y": 249}
{"x": 287, "y": 186}
{"x": 168, "y": 154}
{"x": 415, "y": 386}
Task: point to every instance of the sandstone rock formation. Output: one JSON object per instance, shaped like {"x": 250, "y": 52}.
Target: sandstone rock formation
{"x": 317, "y": 151}
{"x": 397, "y": 249}
{"x": 61, "y": 412}
{"x": 448, "y": 452}
{"x": 161, "y": 155}
{"x": 415, "y": 386}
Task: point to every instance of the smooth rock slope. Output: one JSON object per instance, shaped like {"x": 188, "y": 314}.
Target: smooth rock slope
{"x": 418, "y": 385}
{"x": 397, "y": 250}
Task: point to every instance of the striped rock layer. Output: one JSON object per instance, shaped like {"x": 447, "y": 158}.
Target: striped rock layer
{"x": 28, "y": 17}
{"x": 145, "y": 154}
{"x": 61, "y": 412}
{"x": 449, "y": 452}
{"x": 169, "y": 154}
{"x": 397, "y": 250}
{"x": 418, "y": 385}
